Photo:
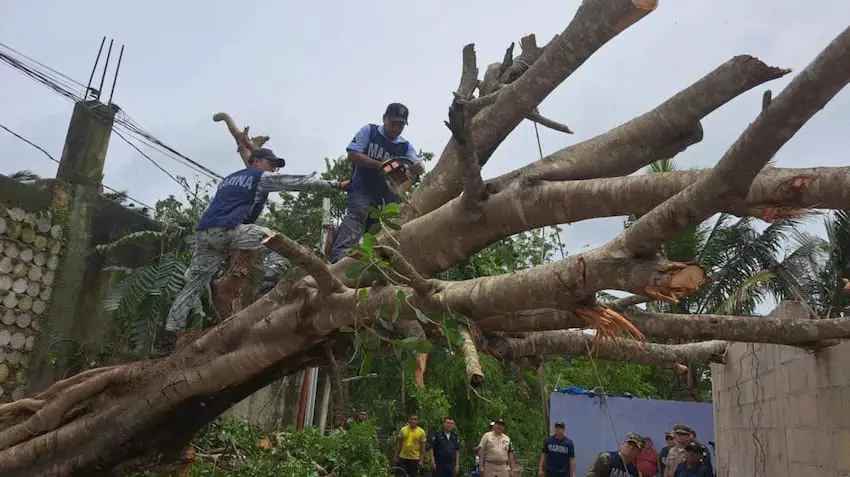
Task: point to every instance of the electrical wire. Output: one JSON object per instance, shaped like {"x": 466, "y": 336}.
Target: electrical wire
{"x": 65, "y": 85}
{"x": 50, "y": 156}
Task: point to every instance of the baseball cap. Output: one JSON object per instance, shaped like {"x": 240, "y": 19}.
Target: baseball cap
{"x": 683, "y": 429}
{"x": 265, "y": 153}
{"x": 559, "y": 424}
{"x": 693, "y": 447}
{"x": 499, "y": 421}
{"x": 634, "y": 438}
{"x": 396, "y": 112}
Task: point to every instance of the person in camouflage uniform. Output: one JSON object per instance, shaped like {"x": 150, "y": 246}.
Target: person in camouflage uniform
{"x": 228, "y": 224}
{"x": 620, "y": 463}
{"x": 682, "y": 436}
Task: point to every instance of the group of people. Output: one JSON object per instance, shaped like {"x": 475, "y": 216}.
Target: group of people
{"x": 228, "y": 223}
{"x": 494, "y": 452}
{"x": 682, "y": 455}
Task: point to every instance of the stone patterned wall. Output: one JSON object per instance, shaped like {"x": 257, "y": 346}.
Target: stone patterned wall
{"x": 30, "y": 247}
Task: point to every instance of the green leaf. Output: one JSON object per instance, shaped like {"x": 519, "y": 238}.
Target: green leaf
{"x": 366, "y": 364}
{"x": 453, "y": 336}
{"x": 424, "y": 346}
{"x": 363, "y": 294}
{"x": 374, "y": 213}
{"x": 355, "y": 270}
{"x": 391, "y": 209}
{"x": 400, "y": 296}
{"x": 410, "y": 367}
{"x": 421, "y": 316}
{"x": 396, "y": 312}
{"x": 368, "y": 244}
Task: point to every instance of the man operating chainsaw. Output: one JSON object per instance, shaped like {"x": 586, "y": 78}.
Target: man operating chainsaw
{"x": 228, "y": 224}
{"x": 380, "y": 156}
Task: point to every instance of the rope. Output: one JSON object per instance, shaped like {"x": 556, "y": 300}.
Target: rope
{"x": 589, "y": 354}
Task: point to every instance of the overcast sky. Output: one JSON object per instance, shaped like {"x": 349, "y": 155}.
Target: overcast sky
{"x": 309, "y": 74}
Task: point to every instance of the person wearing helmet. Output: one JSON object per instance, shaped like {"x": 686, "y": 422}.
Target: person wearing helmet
{"x": 228, "y": 224}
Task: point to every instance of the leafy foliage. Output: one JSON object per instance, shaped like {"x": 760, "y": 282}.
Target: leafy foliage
{"x": 243, "y": 451}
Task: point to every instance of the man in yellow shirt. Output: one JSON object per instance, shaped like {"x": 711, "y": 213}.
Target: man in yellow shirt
{"x": 410, "y": 450}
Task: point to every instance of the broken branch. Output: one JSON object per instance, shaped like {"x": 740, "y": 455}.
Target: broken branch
{"x": 300, "y": 256}
{"x": 549, "y": 123}
{"x": 578, "y": 343}
{"x": 244, "y": 145}
{"x": 732, "y": 177}
{"x": 460, "y": 124}
{"x": 470, "y": 357}
{"x": 405, "y": 269}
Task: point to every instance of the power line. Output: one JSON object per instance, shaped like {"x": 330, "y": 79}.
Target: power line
{"x": 156, "y": 164}
{"x": 65, "y": 85}
{"x": 13, "y": 133}
{"x": 50, "y": 156}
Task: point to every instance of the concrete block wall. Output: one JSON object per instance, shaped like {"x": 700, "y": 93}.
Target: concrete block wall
{"x": 782, "y": 411}
{"x": 30, "y": 244}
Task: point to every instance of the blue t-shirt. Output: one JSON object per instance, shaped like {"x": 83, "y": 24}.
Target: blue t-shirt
{"x": 558, "y": 453}
{"x": 701, "y": 470}
{"x": 620, "y": 468}
{"x": 236, "y": 201}
{"x": 371, "y": 141}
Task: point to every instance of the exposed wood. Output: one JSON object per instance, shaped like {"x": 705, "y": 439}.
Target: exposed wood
{"x": 129, "y": 416}
{"x": 474, "y": 373}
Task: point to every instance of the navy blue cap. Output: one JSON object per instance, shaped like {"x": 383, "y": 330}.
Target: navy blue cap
{"x": 268, "y": 154}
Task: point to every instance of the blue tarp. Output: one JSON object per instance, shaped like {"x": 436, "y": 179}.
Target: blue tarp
{"x": 585, "y": 413}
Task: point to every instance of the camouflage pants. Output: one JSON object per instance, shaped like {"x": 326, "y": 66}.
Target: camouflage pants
{"x": 212, "y": 246}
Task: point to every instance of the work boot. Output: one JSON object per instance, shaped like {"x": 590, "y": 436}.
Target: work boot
{"x": 163, "y": 343}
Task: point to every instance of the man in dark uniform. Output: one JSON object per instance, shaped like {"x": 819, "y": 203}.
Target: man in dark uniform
{"x": 228, "y": 224}
{"x": 445, "y": 450}
{"x": 619, "y": 463}
{"x": 370, "y": 148}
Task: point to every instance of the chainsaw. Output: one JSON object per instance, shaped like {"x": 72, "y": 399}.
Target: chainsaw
{"x": 399, "y": 173}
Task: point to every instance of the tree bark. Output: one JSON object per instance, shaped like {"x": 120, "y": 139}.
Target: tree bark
{"x": 474, "y": 373}
{"x": 128, "y": 417}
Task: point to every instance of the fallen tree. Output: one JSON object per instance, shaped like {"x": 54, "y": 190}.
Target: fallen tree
{"x": 136, "y": 415}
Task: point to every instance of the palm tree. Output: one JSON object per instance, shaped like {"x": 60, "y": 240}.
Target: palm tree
{"x": 746, "y": 267}
{"x": 825, "y": 284}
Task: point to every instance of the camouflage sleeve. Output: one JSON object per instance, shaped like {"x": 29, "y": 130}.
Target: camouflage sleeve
{"x": 274, "y": 182}
{"x": 601, "y": 466}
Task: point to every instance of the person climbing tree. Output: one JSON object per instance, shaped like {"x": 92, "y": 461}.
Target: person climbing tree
{"x": 228, "y": 224}
{"x": 371, "y": 147}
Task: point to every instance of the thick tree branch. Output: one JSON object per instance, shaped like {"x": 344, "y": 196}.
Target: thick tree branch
{"x": 245, "y": 145}
{"x": 578, "y": 343}
{"x": 732, "y": 177}
{"x": 402, "y": 267}
{"x": 596, "y": 22}
{"x": 568, "y": 283}
{"x": 460, "y": 124}
{"x": 470, "y": 357}
{"x": 469, "y": 73}
{"x": 300, "y": 256}
{"x": 660, "y": 133}
{"x": 517, "y": 209}
{"x": 755, "y": 329}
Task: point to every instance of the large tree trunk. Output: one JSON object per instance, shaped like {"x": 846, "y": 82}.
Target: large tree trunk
{"x": 132, "y": 416}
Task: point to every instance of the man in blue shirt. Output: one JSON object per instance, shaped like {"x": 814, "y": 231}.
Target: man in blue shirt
{"x": 558, "y": 456}
{"x": 693, "y": 466}
{"x": 228, "y": 224}
{"x": 371, "y": 146}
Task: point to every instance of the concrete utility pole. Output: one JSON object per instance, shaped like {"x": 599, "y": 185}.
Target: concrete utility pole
{"x": 74, "y": 195}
